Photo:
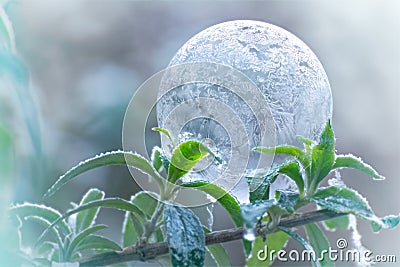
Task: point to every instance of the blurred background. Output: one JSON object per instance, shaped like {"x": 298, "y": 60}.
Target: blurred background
{"x": 86, "y": 58}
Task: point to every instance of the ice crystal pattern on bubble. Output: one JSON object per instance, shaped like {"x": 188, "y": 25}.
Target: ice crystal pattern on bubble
{"x": 285, "y": 69}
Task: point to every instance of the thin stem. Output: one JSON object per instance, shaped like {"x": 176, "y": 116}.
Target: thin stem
{"x": 153, "y": 250}
{"x": 151, "y": 225}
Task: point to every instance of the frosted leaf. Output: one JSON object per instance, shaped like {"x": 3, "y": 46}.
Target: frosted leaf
{"x": 251, "y": 213}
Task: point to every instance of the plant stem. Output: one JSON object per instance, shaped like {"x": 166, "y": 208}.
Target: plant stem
{"x": 153, "y": 250}
{"x": 151, "y": 225}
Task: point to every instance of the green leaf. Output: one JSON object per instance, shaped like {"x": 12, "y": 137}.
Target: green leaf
{"x": 46, "y": 248}
{"x": 164, "y": 131}
{"x": 109, "y": 158}
{"x": 259, "y": 181}
{"x": 81, "y": 237}
{"x": 133, "y": 228}
{"x": 146, "y": 201}
{"x": 252, "y": 212}
{"x": 387, "y": 222}
{"x": 219, "y": 255}
{"x": 323, "y": 157}
{"x": 260, "y": 254}
{"x": 46, "y": 223}
{"x": 224, "y": 198}
{"x": 286, "y": 150}
{"x": 164, "y": 160}
{"x": 184, "y": 158}
{"x": 341, "y": 222}
{"x": 42, "y": 211}
{"x": 129, "y": 232}
{"x": 304, "y": 243}
{"x": 286, "y": 200}
{"x": 307, "y": 142}
{"x": 96, "y": 242}
{"x": 292, "y": 170}
{"x": 157, "y": 236}
{"x": 156, "y": 158}
{"x": 347, "y": 200}
{"x": 113, "y": 203}
{"x": 343, "y": 200}
{"x": 55, "y": 256}
{"x": 87, "y": 218}
{"x": 320, "y": 243}
{"x": 351, "y": 161}
{"x": 138, "y": 224}
{"x": 185, "y": 236}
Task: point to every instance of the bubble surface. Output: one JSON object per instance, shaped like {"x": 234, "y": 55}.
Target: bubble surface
{"x": 287, "y": 73}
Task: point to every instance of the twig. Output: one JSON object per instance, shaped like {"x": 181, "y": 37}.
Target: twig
{"x": 153, "y": 250}
{"x": 151, "y": 225}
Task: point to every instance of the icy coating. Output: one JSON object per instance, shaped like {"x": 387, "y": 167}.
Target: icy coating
{"x": 285, "y": 70}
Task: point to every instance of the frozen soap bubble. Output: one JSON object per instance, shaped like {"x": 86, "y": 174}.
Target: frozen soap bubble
{"x": 291, "y": 84}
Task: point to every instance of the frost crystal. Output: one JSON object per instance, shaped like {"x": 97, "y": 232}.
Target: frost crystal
{"x": 356, "y": 239}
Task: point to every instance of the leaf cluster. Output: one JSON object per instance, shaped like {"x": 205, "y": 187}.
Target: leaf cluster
{"x": 151, "y": 217}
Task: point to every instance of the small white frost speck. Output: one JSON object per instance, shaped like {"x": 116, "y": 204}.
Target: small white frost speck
{"x": 211, "y": 198}
{"x": 337, "y": 180}
{"x": 337, "y": 175}
{"x": 72, "y": 221}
